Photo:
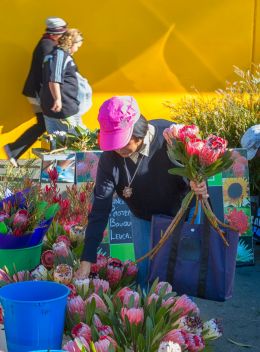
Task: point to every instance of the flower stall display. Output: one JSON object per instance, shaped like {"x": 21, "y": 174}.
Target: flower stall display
{"x": 24, "y": 219}
{"x": 104, "y": 318}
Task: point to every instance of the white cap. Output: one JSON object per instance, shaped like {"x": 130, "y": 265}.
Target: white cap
{"x": 56, "y": 25}
{"x": 251, "y": 141}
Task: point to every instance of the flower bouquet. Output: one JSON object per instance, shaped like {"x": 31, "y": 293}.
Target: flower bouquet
{"x": 24, "y": 219}
{"x": 197, "y": 160}
{"x": 132, "y": 321}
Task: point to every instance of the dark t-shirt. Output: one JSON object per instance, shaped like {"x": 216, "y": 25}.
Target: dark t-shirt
{"x": 60, "y": 67}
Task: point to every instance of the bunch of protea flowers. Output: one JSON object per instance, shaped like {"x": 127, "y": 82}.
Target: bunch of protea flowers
{"x": 198, "y": 159}
{"x": 129, "y": 320}
{"x": 23, "y": 212}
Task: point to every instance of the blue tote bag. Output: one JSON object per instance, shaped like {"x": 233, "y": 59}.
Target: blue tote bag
{"x": 194, "y": 259}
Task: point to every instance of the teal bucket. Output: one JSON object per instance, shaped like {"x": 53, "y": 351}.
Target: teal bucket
{"x": 34, "y": 315}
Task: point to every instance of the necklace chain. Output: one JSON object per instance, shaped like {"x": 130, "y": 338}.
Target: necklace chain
{"x": 129, "y": 179}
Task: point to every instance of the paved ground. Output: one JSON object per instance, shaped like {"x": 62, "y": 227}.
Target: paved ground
{"x": 241, "y": 314}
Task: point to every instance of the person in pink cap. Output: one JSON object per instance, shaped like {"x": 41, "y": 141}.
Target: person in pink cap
{"x": 135, "y": 165}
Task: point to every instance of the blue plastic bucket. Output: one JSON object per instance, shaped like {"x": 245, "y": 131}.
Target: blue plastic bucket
{"x": 34, "y": 314}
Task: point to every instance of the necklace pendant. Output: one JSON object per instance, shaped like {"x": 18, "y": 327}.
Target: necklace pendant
{"x": 127, "y": 192}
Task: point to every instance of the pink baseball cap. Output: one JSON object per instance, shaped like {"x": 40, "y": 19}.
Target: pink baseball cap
{"x": 117, "y": 117}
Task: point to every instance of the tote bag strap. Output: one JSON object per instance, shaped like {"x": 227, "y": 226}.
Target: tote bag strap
{"x": 204, "y": 255}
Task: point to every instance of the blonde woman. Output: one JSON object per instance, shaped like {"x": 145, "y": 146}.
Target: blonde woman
{"x": 64, "y": 90}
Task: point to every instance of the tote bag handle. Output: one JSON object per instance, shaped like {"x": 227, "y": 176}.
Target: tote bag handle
{"x": 204, "y": 254}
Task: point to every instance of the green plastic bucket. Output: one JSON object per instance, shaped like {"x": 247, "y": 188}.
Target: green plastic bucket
{"x": 20, "y": 259}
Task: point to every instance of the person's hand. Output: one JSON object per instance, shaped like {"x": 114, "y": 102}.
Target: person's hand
{"x": 83, "y": 271}
{"x": 200, "y": 189}
{"x": 57, "y": 105}
{"x": 171, "y": 132}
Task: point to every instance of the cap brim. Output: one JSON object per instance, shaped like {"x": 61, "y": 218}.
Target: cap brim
{"x": 115, "y": 139}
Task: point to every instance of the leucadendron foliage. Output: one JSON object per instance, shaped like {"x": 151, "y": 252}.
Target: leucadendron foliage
{"x": 228, "y": 113}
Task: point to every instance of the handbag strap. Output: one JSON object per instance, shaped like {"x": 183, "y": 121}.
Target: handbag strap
{"x": 176, "y": 237}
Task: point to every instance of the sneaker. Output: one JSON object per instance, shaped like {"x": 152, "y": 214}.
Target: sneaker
{"x": 9, "y": 155}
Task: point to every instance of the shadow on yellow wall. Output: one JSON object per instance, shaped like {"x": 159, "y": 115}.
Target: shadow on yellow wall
{"x": 149, "y": 48}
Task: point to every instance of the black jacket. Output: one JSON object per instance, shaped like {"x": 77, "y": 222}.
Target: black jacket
{"x": 33, "y": 82}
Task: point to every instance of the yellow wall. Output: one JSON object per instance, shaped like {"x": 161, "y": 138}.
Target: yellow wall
{"x": 153, "y": 49}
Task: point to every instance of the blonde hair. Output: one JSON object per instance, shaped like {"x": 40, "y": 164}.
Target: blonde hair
{"x": 69, "y": 38}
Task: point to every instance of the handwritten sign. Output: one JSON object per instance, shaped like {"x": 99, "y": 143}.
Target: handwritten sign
{"x": 120, "y": 225}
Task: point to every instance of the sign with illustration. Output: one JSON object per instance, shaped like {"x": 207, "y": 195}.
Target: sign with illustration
{"x": 230, "y": 198}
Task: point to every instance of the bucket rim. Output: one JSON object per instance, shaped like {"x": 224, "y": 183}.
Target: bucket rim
{"x": 20, "y": 249}
{"x": 65, "y": 295}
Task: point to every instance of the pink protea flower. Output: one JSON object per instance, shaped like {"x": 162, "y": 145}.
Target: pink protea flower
{"x": 134, "y": 315}
{"x": 172, "y": 131}
{"x": 130, "y": 268}
{"x": 82, "y": 330}
{"x": 194, "y": 343}
{"x": 60, "y": 249}
{"x": 192, "y": 324}
{"x": 237, "y": 219}
{"x": 185, "y": 305}
{"x": 152, "y": 297}
{"x": 114, "y": 271}
{"x": 73, "y": 290}
{"x": 100, "y": 284}
{"x": 212, "y": 150}
{"x": 128, "y": 296}
{"x": 105, "y": 330}
{"x": 76, "y": 345}
{"x": 187, "y": 132}
{"x": 100, "y": 264}
{"x": 63, "y": 274}
{"x": 121, "y": 293}
{"x": 176, "y": 335}
{"x": 76, "y": 305}
{"x": 47, "y": 258}
{"x": 65, "y": 239}
{"x": 102, "y": 345}
{"x": 194, "y": 146}
{"x": 99, "y": 302}
{"x": 20, "y": 222}
{"x": 163, "y": 285}
{"x": 168, "y": 302}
